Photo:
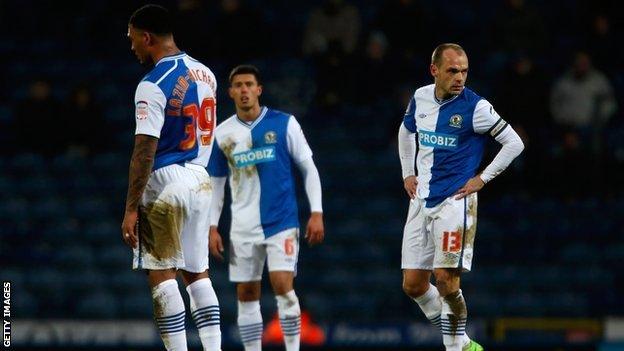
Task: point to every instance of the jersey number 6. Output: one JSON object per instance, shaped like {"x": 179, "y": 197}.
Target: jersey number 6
{"x": 202, "y": 117}
{"x": 289, "y": 247}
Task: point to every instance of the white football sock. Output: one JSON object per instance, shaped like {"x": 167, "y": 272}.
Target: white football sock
{"x": 250, "y": 325}
{"x": 205, "y": 313}
{"x": 454, "y": 317}
{"x": 169, "y": 315}
{"x": 290, "y": 319}
{"x": 431, "y": 305}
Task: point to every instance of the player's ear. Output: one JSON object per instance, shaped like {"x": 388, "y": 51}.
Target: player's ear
{"x": 259, "y": 90}
{"x": 230, "y": 92}
{"x": 433, "y": 69}
{"x": 148, "y": 38}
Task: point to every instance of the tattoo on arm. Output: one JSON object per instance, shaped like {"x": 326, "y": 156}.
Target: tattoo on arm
{"x": 140, "y": 169}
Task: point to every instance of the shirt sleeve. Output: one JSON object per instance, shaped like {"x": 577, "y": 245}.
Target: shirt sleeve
{"x": 217, "y": 165}
{"x": 216, "y": 205}
{"x": 512, "y": 147}
{"x": 149, "y": 103}
{"x": 312, "y": 183}
{"x": 297, "y": 144}
{"x": 486, "y": 120}
{"x": 407, "y": 151}
{"x": 409, "y": 120}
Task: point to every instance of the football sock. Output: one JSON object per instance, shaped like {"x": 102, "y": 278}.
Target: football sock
{"x": 290, "y": 319}
{"x": 454, "y": 316}
{"x": 431, "y": 305}
{"x": 169, "y": 314}
{"x": 205, "y": 313}
{"x": 250, "y": 325}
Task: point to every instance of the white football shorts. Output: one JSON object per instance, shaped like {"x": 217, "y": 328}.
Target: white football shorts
{"x": 441, "y": 236}
{"x": 247, "y": 257}
{"x": 174, "y": 219}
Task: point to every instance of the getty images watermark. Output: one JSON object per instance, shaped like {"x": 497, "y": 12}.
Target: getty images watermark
{"x": 6, "y": 314}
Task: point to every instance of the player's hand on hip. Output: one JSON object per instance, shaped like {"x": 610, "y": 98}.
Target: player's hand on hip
{"x": 410, "y": 184}
{"x": 128, "y": 228}
{"x": 315, "y": 231}
{"x": 216, "y": 243}
{"x": 473, "y": 185}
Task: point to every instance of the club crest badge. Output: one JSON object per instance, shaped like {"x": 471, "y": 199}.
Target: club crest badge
{"x": 456, "y": 121}
{"x": 270, "y": 137}
{"x": 141, "y": 110}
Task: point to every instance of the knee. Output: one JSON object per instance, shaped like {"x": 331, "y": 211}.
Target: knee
{"x": 281, "y": 282}
{"x": 192, "y": 277}
{"x": 447, "y": 281}
{"x": 416, "y": 288}
{"x": 281, "y": 288}
{"x": 247, "y": 295}
{"x": 155, "y": 277}
{"x": 288, "y": 304}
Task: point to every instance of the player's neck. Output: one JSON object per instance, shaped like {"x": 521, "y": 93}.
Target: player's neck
{"x": 166, "y": 49}
{"x": 441, "y": 95}
{"x": 249, "y": 115}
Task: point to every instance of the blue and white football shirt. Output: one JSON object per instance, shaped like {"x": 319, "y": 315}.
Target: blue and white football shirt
{"x": 258, "y": 159}
{"x": 451, "y": 139}
{"x": 175, "y": 102}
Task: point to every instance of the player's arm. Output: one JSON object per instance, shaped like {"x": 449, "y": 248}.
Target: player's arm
{"x": 407, "y": 149}
{"x": 140, "y": 168}
{"x": 149, "y": 113}
{"x": 486, "y": 120}
{"x": 315, "y": 231}
{"x": 301, "y": 153}
{"x": 218, "y": 170}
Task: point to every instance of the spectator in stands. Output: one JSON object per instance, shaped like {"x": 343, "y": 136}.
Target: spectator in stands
{"x": 520, "y": 83}
{"x": 582, "y": 99}
{"x": 521, "y": 28}
{"x": 37, "y": 121}
{"x": 85, "y": 117}
{"x": 334, "y": 22}
{"x": 195, "y": 28}
{"x": 402, "y": 21}
{"x": 240, "y": 32}
{"x": 581, "y": 103}
{"x": 335, "y": 77}
{"x": 604, "y": 45}
{"x": 523, "y": 82}
{"x": 376, "y": 78}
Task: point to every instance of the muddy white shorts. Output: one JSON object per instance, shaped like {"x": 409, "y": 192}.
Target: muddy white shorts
{"x": 441, "y": 236}
{"x": 247, "y": 257}
{"x": 174, "y": 219}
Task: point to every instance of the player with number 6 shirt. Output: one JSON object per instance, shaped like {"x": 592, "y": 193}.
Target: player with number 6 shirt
{"x": 256, "y": 149}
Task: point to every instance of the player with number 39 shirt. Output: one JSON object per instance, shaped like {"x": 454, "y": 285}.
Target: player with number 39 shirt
{"x": 257, "y": 147}
{"x": 451, "y": 123}
{"x": 169, "y": 192}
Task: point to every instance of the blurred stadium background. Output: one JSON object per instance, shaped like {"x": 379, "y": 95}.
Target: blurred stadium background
{"x": 550, "y": 244}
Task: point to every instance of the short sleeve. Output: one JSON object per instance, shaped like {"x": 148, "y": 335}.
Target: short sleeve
{"x": 149, "y": 102}
{"x": 486, "y": 120}
{"x": 409, "y": 120}
{"x": 298, "y": 147}
{"x": 217, "y": 165}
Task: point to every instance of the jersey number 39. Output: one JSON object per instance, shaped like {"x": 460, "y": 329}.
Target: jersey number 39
{"x": 200, "y": 116}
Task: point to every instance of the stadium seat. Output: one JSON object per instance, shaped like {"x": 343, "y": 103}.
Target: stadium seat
{"x": 73, "y": 256}
{"x": 137, "y": 305}
{"x": 98, "y": 304}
